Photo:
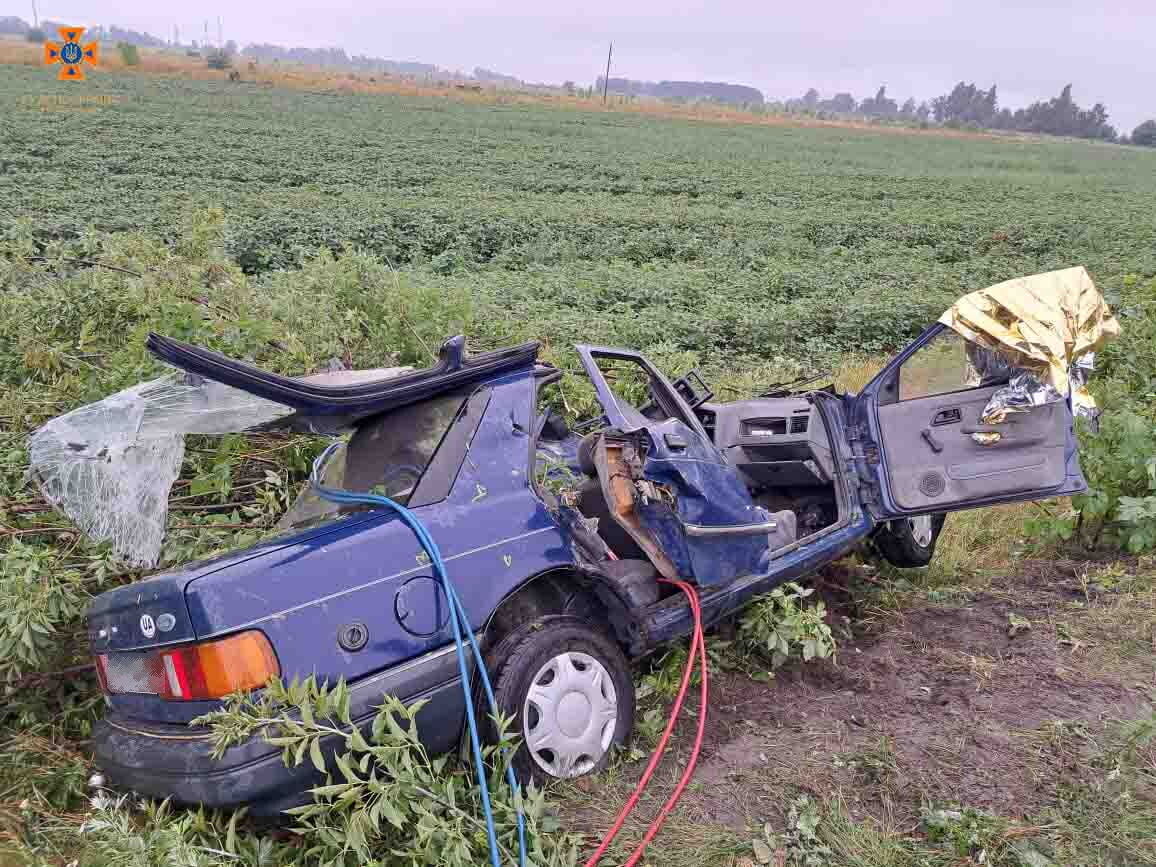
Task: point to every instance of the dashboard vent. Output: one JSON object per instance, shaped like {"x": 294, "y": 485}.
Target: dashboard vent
{"x": 799, "y": 423}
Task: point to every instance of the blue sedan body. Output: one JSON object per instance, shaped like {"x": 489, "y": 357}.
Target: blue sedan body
{"x": 365, "y": 570}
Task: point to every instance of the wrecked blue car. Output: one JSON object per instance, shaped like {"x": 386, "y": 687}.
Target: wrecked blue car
{"x": 555, "y": 534}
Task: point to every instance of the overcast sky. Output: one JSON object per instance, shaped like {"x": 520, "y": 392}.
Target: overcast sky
{"x": 1029, "y": 48}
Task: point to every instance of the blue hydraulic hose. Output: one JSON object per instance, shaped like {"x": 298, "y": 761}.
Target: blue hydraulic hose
{"x": 461, "y": 623}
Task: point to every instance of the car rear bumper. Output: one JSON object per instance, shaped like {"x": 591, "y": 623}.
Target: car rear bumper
{"x": 175, "y": 761}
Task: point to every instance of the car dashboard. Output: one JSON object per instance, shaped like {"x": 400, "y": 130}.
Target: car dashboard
{"x": 776, "y": 442}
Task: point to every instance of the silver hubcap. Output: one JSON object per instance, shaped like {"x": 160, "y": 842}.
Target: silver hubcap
{"x": 921, "y": 530}
{"x": 570, "y": 713}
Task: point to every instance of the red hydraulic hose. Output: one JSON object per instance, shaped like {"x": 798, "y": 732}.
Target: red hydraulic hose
{"x": 652, "y": 831}
{"x": 698, "y": 646}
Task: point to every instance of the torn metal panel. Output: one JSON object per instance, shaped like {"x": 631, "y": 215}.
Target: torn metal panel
{"x": 1040, "y": 328}
{"x": 613, "y": 459}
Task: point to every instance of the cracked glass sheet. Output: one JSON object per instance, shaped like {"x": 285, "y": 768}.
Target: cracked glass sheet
{"x": 109, "y": 466}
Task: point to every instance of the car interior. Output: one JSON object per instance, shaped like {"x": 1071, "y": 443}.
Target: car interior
{"x": 778, "y": 446}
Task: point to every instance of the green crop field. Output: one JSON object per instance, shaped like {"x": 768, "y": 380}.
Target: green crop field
{"x": 293, "y": 227}
{"x": 755, "y": 240}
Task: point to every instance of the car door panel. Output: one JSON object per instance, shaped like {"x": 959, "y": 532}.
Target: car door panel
{"x": 709, "y": 495}
{"x": 1029, "y": 454}
{"x": 926, "y": 454}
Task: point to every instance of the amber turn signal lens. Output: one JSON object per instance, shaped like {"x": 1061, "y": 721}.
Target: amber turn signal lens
{"x": 215, "y": 669}
{"x": 191, "y": 672}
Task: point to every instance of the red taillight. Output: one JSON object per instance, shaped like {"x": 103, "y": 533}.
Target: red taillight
{"x": 192, "y": 672}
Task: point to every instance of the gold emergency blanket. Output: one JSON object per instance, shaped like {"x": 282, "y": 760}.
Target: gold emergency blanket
{"x": 1041, "y": 324}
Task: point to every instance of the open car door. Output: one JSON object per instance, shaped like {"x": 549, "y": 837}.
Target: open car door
{"x": 658, "y": 463}
{"x": 924, "y": 447}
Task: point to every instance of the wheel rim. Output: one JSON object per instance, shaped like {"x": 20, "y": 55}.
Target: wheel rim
{"x": 570, "y": 714}
{"x": 921, "y": 530}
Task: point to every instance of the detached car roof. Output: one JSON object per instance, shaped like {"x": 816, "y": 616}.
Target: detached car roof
{"x": 353, "y": 401}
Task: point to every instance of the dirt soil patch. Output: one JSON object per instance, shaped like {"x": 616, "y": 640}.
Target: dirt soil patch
{"x": 954, "y": 700}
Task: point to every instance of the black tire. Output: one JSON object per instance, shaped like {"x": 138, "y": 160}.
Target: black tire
{"x": 520, "y": 657}
{"x": 898, "y": 545}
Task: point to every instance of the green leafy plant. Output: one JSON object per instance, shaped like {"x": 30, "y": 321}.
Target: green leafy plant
{"x": 965, "y": 832}
{"x": 1120, "y": 463}
{"x": 38, "y": 598}
{"x": 779, "y": 625}
{"x": 119, "y": 834}
{"x": 800, "y": 844}
{"x": 385, "y": 800}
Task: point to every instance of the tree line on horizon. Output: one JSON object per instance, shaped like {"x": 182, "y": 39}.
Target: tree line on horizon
{"x": 967, "y": 106}
{"x": 683, "y": 91}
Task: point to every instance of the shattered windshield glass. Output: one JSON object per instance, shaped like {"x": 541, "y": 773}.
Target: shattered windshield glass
{"x": 386, "y": 455}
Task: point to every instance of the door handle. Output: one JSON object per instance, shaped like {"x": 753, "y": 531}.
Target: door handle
{"x": 936, "y": 445}
{"x": 675, "y": 443}
{"x": 947, "y": 416}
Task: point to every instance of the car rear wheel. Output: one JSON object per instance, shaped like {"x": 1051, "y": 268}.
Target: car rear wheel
{"x": 909, "y": 542}
{"x": 568, "y": 688}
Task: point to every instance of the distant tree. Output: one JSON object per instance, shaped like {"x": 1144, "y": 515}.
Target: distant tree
{"x": 907, "y": 110}
{"x": 840, "y": 103}
{"x": 34, "y": 34}
{"x": 880, "y": 105}
{"x": 1062, "y": 116}
{"x": 707, "y": 91}
{"x": 966, "y": 104}
{"x": 811, "y": 99}
{"x": 990, "y": 104}
{"x": 1004, "y": 119}
{"x": 923, "y": 112}
{"x": 1145, "y": 134}
{"x": 129, "y": 53}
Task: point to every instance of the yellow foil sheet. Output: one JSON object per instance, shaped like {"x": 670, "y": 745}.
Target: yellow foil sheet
{"x": 1042, "y": 323}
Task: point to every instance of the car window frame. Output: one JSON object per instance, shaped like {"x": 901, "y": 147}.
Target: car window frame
{"x": 441, "y": 473}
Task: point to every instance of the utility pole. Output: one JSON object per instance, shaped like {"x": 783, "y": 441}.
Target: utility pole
{"x": 606, "y": 80}
{"x": 206, "y": 32}
{"x": 35, "y": 17}
{"x": 220, "y": 40}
